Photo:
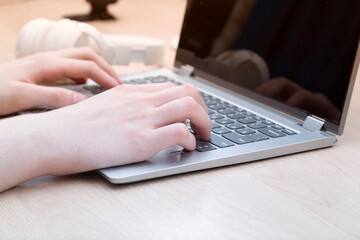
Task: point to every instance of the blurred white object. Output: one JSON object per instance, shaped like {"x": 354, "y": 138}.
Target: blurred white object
{"x": 45, "y": 35}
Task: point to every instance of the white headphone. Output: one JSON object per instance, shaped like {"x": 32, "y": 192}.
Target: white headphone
{"x": 46, "y": 35}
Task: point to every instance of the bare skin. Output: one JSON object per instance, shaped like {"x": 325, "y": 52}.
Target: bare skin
{"x": 19, "y": 78}
{"x": 123, "y": 125}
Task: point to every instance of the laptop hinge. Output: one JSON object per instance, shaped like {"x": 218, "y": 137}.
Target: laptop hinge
{"x": 313, "y": 124}
{"x": 186, "y": 70}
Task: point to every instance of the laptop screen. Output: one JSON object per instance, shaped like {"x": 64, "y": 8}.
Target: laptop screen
{"x": 300, "y": 53}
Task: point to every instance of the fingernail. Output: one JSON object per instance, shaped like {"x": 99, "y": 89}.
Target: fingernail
{"x": 118, "y": 80}
{"x": 78, "y": 98}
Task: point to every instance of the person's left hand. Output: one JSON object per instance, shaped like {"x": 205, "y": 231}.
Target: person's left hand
{"x": 19, "y": 78}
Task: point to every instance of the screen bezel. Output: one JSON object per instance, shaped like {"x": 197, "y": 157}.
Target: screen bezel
{"x": 279, "y": 106}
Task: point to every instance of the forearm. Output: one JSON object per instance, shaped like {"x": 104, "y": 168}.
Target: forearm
{"x": 22, "y": 150}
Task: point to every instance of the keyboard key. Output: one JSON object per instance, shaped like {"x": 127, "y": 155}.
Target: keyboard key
{"x": 131, "y": 81}
{"x": 258, "y": 118}
{"x": 220, "y": 142}
{"x": 218, "y": 99}
{"x": 176, "y": 83}
{"x": 209, "y": 102}
{"x": 204, "y": 146}
{"x": 138, "y": 81}
{"x": 226, "y": 111}
{"x": 214, "y": 125}
{"x": 235, "y": 125}
{"x": 159, "y": 79}
{"x": 203, "y": 94}
{"x": 220, "y": 130}
{"x": 277, "y": 127}
{"x": 246, "y": 120}
{"x": 288, "y": 132}
{"x": 234, "y": 120}
{"x": 257, "y": 137}
{"x": 216, "y": 106}
{"x": 249, "y": 114}
{"x": 224, "y": 121}
{"x": 94, "y": 89}
{"x": 256, "y": 125}
{"x": 215, "y": 116}
{"x": 207, "y": 96}
{"x": 235, "y": 115}
{"x": 245, "y": 131}
{"x": 235, "y": 108}
{"x": 236, "y": 138}
{"x": 188, "y": 123}
{"x": 227, "y": 104}
{"x": 272, "y": 132}
{"x": 267, "y": 122}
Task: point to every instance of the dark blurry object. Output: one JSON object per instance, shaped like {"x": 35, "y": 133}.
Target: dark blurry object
{"x": 98, "y": 11}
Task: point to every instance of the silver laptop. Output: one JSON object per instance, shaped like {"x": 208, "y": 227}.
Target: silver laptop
{"x": 276, "y": 75}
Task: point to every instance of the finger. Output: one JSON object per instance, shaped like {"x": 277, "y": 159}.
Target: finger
{"x": 74, "y": 68}
{"x": 35, "y": 95}
{"x": 168, "y": 95}
{"x": 171, "y": 135}
{"x": 87, "y": 53}
{"x": 182, "y": 109}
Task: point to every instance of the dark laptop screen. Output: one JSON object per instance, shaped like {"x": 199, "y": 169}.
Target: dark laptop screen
{"x": 298, "y": 52}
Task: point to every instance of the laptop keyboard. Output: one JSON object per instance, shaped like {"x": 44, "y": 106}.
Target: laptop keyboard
{"x": 231, "y": 125}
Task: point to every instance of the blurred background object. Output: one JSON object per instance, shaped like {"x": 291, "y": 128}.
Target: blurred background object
{"x": 98, "y": 11}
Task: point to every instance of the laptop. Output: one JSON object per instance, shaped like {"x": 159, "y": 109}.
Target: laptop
{"x": 277, "y": 77}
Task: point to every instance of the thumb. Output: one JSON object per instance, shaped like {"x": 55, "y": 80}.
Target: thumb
{"x": 37, "y": 95}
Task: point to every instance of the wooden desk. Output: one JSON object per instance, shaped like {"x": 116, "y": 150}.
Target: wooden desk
{"x": 312, "y": 195}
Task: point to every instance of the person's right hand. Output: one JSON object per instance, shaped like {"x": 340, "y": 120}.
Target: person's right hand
{"x": 126, "y": 124}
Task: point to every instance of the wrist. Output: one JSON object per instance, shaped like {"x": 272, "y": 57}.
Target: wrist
{"x": 24, "y": 149}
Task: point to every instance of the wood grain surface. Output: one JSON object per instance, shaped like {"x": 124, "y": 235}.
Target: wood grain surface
{"x": 310, "y": 195}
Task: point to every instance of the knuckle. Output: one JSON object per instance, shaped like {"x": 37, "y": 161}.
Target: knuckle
{"x": 191, "y": 89}
{"x": 190, "y": 103}
{"x": 181, "y": 131}
{"x": 91, "y": 67}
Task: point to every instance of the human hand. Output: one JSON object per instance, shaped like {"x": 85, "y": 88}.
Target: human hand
{"x": 126, "y": 124}
{"x": 19, "y": 78}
